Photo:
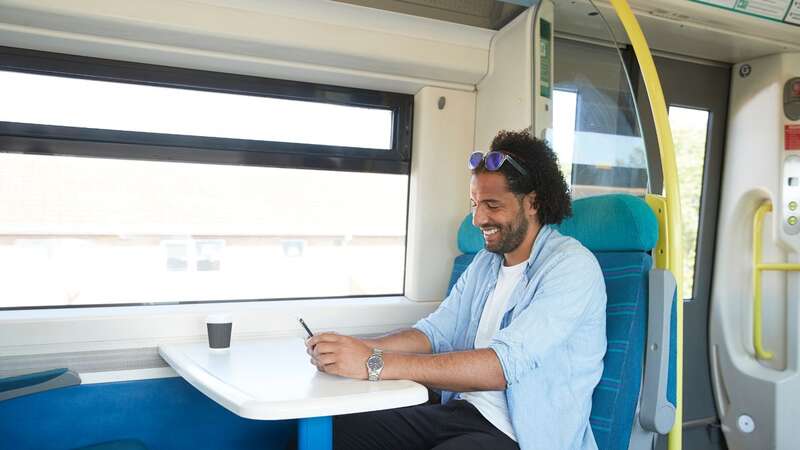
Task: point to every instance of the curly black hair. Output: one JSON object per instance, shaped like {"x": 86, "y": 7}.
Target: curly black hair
{"x": 544, "y": 177}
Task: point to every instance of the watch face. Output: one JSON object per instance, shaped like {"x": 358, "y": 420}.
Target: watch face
{"x": 375, "y": 362}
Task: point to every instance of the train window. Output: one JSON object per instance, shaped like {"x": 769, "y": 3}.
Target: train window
{"x": 125, "y": 183}
{"x": 72, "y": 102}
{"x": 565, "y": 104}
{"x": 596, "y": 131}
{"x": 59, "y": 104}
{"x": 92, "y": 231}
{"x": 690, "y": 135}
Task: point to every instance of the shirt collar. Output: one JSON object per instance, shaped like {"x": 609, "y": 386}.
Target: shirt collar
{"x": 538, "y": 245}
{"x": 536, "y": 250}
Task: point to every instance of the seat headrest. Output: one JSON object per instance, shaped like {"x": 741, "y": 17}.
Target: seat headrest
{"x": 470, "y": 238}
{"x": 614, "y": 222}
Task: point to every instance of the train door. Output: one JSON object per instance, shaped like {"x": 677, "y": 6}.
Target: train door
{"x": 697, "y": 99}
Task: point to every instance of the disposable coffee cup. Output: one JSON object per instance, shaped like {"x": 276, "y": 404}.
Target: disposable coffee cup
{"x": 219, "y": 331}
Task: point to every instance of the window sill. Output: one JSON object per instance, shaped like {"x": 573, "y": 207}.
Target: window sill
{"x": 44, "y": 331}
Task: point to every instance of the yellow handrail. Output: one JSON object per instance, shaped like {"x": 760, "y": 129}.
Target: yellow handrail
{"x": 674, "y": 259}
{"x": 758, "y": 267}
{"x": 758, "y": 223}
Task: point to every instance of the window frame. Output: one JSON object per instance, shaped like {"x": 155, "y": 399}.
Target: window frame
{"x": 74, "y": 141}
{"x": 52, "y": 140}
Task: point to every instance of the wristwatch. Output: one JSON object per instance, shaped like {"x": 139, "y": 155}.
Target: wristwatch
{"x": 375, "y": 364}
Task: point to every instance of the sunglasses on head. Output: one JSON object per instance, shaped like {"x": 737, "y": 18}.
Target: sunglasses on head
{"x": 493, "y": 161}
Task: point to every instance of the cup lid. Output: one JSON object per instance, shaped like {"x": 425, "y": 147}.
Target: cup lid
{"x": 219, "y": 318}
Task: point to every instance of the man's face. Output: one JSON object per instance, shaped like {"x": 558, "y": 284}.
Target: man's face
{"x": 498, "y": 212}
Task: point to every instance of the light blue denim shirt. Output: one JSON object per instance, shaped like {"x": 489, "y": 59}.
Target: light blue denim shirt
{"x": 551, "y": 341}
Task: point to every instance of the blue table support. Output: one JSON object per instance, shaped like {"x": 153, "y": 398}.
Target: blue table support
{"x": 315, "y": 433}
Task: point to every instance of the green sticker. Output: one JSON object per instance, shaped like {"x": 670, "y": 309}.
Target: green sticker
{"x": 545, "y": 58}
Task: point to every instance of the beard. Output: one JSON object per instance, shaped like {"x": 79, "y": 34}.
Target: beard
{"x": 510, "y": 234}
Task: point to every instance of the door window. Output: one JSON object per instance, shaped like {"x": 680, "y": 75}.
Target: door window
{"x": 690, "y": 135}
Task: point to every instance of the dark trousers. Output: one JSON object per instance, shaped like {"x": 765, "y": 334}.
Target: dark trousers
{"x": 454, "y": 426}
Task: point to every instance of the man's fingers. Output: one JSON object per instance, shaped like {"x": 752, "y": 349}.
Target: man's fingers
{"x": 319, "y": 365}
{"x": 326, "y": 365}
{"x": 324, "y": 348}
{"x": 332, "y": 369}
{"x": 322, "y": 360}
{"x": 320, "y": 349}
{"x": 326, "y": 359}
{"x": 324, "y": 337}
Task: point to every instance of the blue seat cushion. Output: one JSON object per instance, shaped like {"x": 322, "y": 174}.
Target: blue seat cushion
{"x": 159, "y": 414}
{"x": 615, "y": 397}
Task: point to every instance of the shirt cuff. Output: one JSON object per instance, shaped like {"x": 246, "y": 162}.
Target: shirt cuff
{"x": 426, "y": 328}
{"x": 502, "y": 351}
{"x": 513, "y": 369}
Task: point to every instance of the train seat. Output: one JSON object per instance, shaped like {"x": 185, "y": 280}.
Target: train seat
{"x": 33, "y": 383}
{"x": 635, "y": 398}
{"x": 54, "y": 410}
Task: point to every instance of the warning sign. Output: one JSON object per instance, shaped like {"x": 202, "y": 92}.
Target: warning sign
{"x": 792, "y": 137}
{"x": 784, "y": 11}
{"x": 793, "y": 16}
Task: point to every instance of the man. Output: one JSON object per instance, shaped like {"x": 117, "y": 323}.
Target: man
{"x": 516, "y": 348}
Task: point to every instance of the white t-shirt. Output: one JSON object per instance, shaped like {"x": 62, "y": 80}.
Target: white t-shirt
{"x": 492, "y": 404}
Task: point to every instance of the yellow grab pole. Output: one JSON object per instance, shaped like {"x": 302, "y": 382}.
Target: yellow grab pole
{"x": 758, "y": 223}
{"x": 670, "y": 170}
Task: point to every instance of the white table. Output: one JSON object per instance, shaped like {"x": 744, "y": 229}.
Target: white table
{"x": 272, "y": 379}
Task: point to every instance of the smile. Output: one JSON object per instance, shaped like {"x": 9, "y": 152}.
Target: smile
{"x": 490, "y": 231}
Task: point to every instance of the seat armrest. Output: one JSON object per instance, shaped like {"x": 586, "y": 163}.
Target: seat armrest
{"x": 32, "y": 383}
{"x": 657, "y": 413}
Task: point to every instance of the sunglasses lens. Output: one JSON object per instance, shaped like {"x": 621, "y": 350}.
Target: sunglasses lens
{"x": 494, "y": 160}
{"x": 475, "y": 160}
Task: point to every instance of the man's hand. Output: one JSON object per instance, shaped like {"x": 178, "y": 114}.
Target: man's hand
{"x": 341, "y": 355}
{"x": 464, "y": 371}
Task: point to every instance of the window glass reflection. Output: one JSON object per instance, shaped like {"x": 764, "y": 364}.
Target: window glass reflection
{"x": 596, "y": 132}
